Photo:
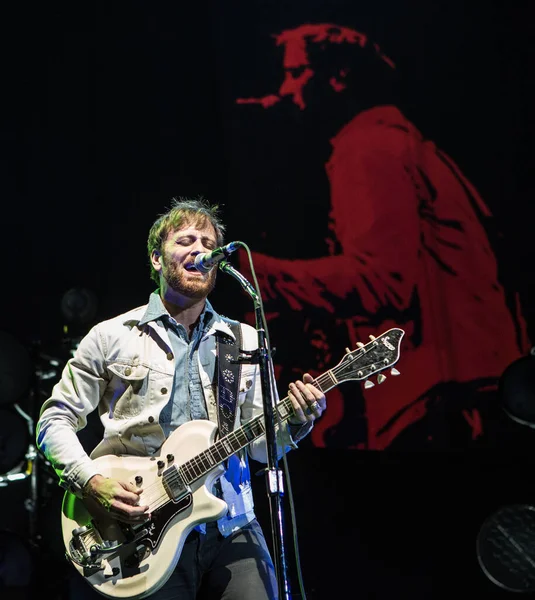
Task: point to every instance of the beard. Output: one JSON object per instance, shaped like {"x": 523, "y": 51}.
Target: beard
{"x": 191, "y": 287}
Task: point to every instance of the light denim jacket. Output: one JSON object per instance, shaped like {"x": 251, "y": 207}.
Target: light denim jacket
{"x": 125, "y": 370}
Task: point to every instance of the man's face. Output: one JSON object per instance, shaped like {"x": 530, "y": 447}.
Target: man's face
{"x": 302, "y": 47}
{"x": 297, "y": 69}
{"x": 317, "y": 61}
{"x": 176, "y": 262}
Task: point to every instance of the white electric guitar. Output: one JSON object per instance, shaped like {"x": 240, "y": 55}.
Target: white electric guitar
{"x": 126, "y": 561}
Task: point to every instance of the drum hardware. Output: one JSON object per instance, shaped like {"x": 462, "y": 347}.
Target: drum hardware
{"x": 20, "y": 459}
{"x": 26, "y": 377}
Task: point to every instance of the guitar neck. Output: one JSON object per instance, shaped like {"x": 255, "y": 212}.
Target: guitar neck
{"x": 357, "y": 365}
{"x": 238, "y": 439}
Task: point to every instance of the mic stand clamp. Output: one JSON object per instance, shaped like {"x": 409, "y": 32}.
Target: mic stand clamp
{"x": 274, "y": 478}
{"x": 247, "y": 357}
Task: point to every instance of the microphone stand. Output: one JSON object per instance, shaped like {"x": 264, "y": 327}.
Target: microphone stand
{"x": 273, "y": 473}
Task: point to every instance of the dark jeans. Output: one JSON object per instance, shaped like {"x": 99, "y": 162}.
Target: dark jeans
{"x": 212, "y": 567}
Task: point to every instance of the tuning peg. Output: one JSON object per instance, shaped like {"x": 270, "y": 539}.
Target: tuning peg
{"x": 348, "y": 351}
{"x": 394, "y": 371}
{"x": 369, "y": 384}
{"x": 372, "y": 337}
{"x": 381, "y": 378}
{"x": 360, "y": 344}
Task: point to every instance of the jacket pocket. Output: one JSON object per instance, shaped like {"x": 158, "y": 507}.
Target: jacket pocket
{"x": 128, "y": 388}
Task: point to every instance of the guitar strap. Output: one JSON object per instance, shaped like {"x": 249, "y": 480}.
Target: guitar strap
{"x": 228, "y": 368}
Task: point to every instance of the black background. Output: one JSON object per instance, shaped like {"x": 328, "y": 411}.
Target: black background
{"x": 110, "y": 110}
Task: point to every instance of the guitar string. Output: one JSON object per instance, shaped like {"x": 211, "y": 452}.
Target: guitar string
{"x": 157, "y": 494}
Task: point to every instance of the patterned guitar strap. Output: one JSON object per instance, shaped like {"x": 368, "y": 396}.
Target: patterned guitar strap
{"x": 229, "y": 368}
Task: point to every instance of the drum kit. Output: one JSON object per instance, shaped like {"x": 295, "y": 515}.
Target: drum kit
{"x": 17, "y": 414}
{"x": 27, "y": 480}
{"x": 505, "y": 542}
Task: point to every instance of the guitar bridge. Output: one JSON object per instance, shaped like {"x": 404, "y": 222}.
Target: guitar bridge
{"x": 87, "y": 547}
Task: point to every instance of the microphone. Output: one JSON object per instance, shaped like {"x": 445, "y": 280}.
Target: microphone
{"x": 206, "y": 261}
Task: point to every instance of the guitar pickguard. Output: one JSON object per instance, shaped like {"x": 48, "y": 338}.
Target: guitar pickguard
{"x": 162, "y": 518}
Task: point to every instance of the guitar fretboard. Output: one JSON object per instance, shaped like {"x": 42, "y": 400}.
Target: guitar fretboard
{"x": 228, "y": 445}
{"x": 359, "y": 364}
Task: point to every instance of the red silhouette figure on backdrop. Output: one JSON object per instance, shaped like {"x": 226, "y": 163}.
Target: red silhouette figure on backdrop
{"x": 409, "y": 248}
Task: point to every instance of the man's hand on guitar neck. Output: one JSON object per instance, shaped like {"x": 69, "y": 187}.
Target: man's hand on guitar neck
{"x": 119, "y": 498}
{"x": 308, "y": 401}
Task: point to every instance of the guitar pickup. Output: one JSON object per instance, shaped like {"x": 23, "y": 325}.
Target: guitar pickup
{"x": 174, "y": 484}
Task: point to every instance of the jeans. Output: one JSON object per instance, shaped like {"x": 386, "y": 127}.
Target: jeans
{"x": 212, "y": 567}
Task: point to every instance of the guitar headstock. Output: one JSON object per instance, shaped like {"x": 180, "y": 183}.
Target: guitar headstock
{"x": 368, "y": 359}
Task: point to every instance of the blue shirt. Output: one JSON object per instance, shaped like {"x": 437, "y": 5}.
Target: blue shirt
{"x": 187, "y": 401}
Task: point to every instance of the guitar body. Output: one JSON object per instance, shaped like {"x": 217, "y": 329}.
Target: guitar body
{"x": 141, "y": 559}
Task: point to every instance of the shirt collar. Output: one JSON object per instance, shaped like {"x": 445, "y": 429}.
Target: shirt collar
{"x": 156, "y": 310}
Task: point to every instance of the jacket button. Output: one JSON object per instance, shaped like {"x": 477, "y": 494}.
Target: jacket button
{"x": 169, "y": 356}
{"x": 151, "y": 419}
{"x": 164, "y": 390}
{"x": 127, "y": 371}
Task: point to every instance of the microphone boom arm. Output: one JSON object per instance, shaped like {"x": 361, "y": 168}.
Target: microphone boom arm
{"x": 226, "y": 267}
